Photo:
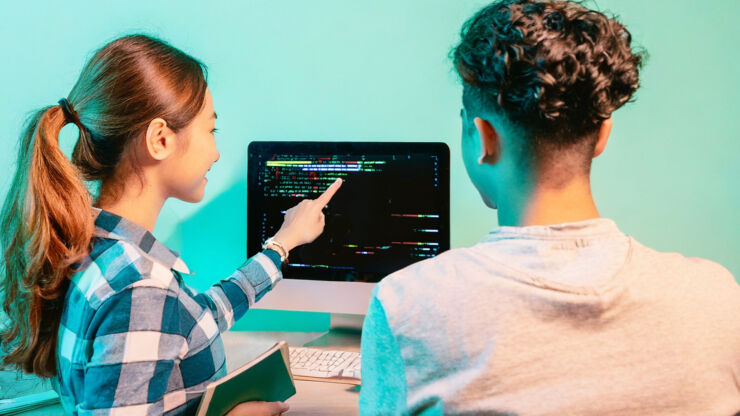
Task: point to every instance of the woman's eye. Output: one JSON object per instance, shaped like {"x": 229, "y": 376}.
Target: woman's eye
{"x": 214, "y": 131}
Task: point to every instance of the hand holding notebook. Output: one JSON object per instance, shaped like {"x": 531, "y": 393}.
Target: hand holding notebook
{"x": 259, "y": 409}
{"x": 267, "y": 378}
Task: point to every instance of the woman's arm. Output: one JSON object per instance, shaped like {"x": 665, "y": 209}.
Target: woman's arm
{"x": 230, "y": 299}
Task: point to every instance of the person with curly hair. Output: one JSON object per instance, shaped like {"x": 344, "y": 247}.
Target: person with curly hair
{"x": 556, "y": 311}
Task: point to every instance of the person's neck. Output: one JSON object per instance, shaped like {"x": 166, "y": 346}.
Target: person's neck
{"x": 140, "y": 206}
{"x": 543, "y": 205}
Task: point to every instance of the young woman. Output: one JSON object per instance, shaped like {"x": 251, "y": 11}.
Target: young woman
{"x": 92, "y": 299}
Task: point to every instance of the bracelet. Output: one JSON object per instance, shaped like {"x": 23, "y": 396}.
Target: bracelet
{"x": 283, "y": 253}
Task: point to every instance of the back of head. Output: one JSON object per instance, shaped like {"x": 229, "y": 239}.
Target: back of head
{"x": 552, "y": 69}
{"x": 46, "y": 221}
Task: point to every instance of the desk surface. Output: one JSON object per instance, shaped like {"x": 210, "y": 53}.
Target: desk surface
{"x": 311, "y": 398}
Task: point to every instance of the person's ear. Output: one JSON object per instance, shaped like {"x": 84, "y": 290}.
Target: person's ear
{"x": 160, "y": 139}
{"x": 603, "y": 137}
{"x": 490, "y": 142}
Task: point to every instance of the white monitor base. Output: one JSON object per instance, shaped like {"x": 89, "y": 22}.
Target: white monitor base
{"x": 318, "y": 296}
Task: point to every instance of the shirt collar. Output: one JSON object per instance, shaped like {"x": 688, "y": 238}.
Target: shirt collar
{"x": 596, "y": 227}
{"x": 109, "y": 225}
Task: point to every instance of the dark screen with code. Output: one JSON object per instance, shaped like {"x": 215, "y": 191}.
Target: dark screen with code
{"x": 391, "y": 211}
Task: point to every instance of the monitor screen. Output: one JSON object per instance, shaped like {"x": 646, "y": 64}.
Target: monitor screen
{"x": 391, "y": 211}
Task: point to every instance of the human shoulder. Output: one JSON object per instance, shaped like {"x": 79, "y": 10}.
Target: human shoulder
{"x": 115, "y": 266}
{"x": 421, "y": 283}
{"x": 134, "y": 294}
{"x": 691, "y": 277}
{"x": 434, "y": 268}
{"x": 677, "y": 262}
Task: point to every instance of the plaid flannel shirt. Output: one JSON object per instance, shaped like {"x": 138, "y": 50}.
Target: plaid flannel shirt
{"x": 134, "y": 339}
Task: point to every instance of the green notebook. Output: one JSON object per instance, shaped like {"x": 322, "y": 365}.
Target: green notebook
{"x": 266, "y": 378}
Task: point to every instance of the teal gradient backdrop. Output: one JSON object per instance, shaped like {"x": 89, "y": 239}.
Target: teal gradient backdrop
{"x": 347, "y": 70}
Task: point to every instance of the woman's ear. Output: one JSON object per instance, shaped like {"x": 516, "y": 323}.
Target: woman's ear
{"x": 160, "y": 140}
{"x": 604, "y": 131}
{"x": 490, "y": 142}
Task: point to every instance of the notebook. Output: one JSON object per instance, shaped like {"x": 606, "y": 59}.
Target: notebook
{"x": 266, "y": 378}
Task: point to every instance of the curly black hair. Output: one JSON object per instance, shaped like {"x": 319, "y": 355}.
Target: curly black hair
{"x": 554, "y": 68}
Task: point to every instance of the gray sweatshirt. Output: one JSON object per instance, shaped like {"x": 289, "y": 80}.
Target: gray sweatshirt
{"x": 576, "y": 319}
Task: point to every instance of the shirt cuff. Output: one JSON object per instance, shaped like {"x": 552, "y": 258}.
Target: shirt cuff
{"x": 261, "y": 273}
{"x": 274, "y": 256}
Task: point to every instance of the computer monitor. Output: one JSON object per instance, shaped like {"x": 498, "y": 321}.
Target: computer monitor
{"x": 391, "y": 211}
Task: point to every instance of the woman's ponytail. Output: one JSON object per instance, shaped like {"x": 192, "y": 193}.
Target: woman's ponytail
{"x": 46, "y": 223}
{"x": 45, "y": 232}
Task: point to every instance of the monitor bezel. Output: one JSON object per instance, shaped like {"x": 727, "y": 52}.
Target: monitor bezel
{"x": 343, "y": 147}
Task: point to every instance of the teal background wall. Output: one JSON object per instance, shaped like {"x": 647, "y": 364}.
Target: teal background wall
{"x": 348, "y": 70}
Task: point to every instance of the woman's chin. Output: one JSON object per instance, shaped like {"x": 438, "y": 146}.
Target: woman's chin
{"x": 196, "y": 195}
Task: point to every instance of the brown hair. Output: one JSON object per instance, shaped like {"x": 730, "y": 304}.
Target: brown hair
{"x": 46, "y": 224}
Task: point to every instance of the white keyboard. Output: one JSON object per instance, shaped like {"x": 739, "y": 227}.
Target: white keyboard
{"x": 328, "y": 364}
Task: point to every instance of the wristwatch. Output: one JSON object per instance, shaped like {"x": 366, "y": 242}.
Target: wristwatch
{"x": 274, "y": 245}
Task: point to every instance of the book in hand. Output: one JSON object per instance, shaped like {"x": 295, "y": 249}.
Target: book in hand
{"x": 266, "y": 378}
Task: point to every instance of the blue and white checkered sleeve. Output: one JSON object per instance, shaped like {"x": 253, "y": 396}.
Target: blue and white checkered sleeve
{"x": 137, "y": 343}
{"x": 230, "y": 299}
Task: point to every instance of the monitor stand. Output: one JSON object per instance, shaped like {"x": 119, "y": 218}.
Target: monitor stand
{"x": 344, "y": 333}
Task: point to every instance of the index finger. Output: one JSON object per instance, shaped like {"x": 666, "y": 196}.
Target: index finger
{"x": 324, "y": 198}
